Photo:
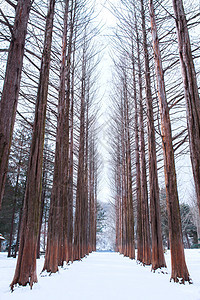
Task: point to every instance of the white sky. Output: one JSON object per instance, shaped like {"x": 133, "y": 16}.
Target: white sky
{"x": 106, "y": 18}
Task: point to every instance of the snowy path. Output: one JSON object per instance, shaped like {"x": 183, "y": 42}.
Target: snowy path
{"x": 105, "y": 276}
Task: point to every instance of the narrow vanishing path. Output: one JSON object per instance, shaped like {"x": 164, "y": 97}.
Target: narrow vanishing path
{"x": 103, "y": 276}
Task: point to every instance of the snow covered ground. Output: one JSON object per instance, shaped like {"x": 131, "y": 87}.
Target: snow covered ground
{"x": 103, "y": 276}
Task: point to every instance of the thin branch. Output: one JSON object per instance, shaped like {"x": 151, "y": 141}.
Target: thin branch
{"x": 11, "y": 3}
{"x": 7, "y": 22}
{"x": 24, "y": 119}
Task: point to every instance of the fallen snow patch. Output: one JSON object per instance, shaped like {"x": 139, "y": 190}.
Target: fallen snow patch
{"x": 103, "y": 275}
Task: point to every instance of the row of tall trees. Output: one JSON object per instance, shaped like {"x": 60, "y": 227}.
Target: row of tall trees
{"x": 155, "y": 105}
{"x": 49, "y": 84}
{"x": 124, "y": 213}
{"x": 61, "y": 115}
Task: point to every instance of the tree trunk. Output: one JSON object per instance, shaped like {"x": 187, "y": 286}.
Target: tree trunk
{"x": 26, "y": 264}
{"x": 86, "y": 176}
{"x": 158, "y": 259}
{"x": 56, "y": 239}
{"x": 91, "y": 197}
{"x": 10, "y": 93}
{"x": 80, "y": 194}
{"x": 190, "y": 91}
{"x": 117, "y": 216}
{"x": 71, "y": 172}
{"x": 130, "y": 216}
{"x": 131, "y": 239}
{"x": 137, "y": 155}
{"x": 71, "y": 149}
{"x": 124, "y": 185}
{"x": 120, "y": 219}
{"x": 179, "y": 269}
{"x": 144, "y": 195}
{"x": 118, "y": 201}
{"x": 68, "y": 203}
{"x": 95, "y": 203}
{"x": 145, "y": 227}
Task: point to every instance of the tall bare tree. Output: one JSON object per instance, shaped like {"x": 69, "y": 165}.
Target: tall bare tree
{"x": 137, "y": 162}
{"x": 26, "y": 264}
{"x": 179, "y": 269}
{"x": 190, "y": 90}
{"x": 158, "y": 260}
{"x": 146, "y": 247}
{"x": 130, "y": 215}
{"x": 55, "y": 251}
{"x": 10, "y": 93}
{"x": 79, "y": 225}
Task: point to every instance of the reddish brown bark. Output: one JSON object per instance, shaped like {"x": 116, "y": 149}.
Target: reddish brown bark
{"x": 190, "y": 90}
{"x": 158, "y": 259}
{"x": 71, "y": 160}
{"x": 92, "y": 210}
{"x": 130, "y": 216}
{"x": 179, "y": 271}
{"x": 86, "y": 173}
{"x": 79, "y": 226}
{"x": 120, "y": 221}
{"x": 56, "y": 252}
{"x": 26, "y": 264}
{"x": 67, "y": 205}
{"x": 10, "y": 93}
{"x": 145, "y": 225}
{"x": 118, "y": 214}
{"x": 124, "y": 203}
{"x": 137, "y": 162}
{"x": 144, "y": 195}
{"x": 131, "y": 239}
{"x": 95, "y": 203}
{"x": 124, "y": 195}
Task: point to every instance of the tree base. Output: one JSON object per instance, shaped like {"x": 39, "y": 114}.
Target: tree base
{"x": 181, "y": 280}
{"x": 16, "y": 283}
{"x": 160, "y": 270}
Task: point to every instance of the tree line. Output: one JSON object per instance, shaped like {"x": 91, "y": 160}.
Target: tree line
{"x": 49, "y": 94}
{"x": 49, "y": 161}
{"x": 156, "y": 103}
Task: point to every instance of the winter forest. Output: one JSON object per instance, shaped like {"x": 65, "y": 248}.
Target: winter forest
{"x": 99, "y": 149}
